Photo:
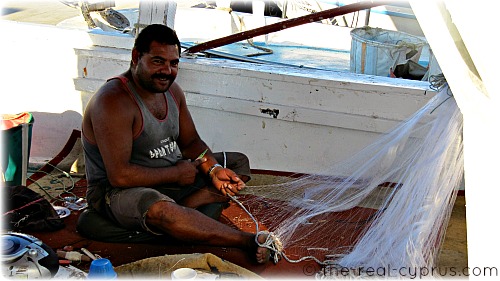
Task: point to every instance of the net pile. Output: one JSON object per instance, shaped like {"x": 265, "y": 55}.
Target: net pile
{"x": 386, "y": 207}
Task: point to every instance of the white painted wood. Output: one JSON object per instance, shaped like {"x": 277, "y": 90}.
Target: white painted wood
{"x": 320, "y": 90}
{"x": 324, "y": 116}
{"x": 209, "y": 24}
{"x": 92, "y": 63}
{"x": 151, "y": 12}
{"x": 111, "y": 39}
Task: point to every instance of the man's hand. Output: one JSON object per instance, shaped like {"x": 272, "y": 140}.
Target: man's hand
{"x": 227, "y": 182}
{"x": 187, "y": 170}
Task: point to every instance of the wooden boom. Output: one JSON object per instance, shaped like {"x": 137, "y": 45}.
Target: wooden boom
{"x": 284, "y": 25}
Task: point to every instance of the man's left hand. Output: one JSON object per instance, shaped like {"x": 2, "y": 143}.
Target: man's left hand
{"x": 227, "y": 182}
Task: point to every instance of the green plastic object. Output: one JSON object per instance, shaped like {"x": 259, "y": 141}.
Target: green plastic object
{"x": 16, "y": 131}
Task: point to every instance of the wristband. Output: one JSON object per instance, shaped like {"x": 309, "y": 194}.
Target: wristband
{"x": 210, "y": 171}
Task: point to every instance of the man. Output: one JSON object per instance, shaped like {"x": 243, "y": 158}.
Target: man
{"x": 144, "y": 158}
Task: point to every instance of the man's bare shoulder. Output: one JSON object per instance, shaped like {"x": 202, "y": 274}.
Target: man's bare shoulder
{"x": 113, "y": 87}
{"x": 111, "y": 103}
{"x": 112, "y": 94}
{"x": 177, "y": 91}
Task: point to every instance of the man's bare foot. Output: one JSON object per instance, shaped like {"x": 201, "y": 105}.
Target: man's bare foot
{"x": 262, "y": 255}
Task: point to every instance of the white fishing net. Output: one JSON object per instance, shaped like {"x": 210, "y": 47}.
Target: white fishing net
{"x": 386, "y": 207}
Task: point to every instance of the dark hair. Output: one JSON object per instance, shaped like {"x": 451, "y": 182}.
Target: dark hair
{"x": 156, "y": 32}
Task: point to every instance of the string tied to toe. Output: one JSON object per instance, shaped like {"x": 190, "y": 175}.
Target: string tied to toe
{"x": 272, "y": 243}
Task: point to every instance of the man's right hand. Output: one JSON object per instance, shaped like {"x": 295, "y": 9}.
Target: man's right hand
{"x": 187, "y": 170}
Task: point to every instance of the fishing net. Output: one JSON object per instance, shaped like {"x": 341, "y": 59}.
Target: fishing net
{"x": 385, "y": 208}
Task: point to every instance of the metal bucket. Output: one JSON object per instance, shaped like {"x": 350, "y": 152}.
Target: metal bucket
{"x": 375, "y": 50}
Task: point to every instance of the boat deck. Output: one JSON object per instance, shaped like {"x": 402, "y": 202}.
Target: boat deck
{"x": 281, "y": 54}
{"x": 453, "y": 256}
{"x": 454, "y": 251}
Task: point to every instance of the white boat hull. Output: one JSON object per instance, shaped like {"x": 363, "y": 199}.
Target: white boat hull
{"x": 284, "y": 119}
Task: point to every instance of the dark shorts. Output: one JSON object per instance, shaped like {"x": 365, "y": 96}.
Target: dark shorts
{"x": 128, "y": 207}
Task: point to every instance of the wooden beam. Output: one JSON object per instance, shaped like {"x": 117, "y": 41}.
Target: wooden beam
{"x": 286, "y": 24}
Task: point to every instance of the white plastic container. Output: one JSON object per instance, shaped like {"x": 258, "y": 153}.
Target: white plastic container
{"x": 184, "y": 274}
{"x": 375, "y": 50}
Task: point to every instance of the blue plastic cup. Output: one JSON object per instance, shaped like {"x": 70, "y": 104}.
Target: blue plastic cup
{"x": 101, "y": 269}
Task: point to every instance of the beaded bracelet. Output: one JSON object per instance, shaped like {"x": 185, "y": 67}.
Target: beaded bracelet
{"x": 212, "y": 169}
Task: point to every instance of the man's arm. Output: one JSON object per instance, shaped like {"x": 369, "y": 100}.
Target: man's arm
{"x": 189, "y": 140}
{"x": 192, "y": 145}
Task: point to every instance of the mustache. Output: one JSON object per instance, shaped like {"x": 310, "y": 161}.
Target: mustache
{"x": 163, "y": 76}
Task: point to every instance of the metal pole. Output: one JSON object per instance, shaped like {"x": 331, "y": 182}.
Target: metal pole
{"x": 367, "y": 19}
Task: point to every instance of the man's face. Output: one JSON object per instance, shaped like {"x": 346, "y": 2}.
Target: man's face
{"x": 156, "y": 70}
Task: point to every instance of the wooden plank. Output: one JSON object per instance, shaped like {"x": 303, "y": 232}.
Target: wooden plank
{"x": 156, "y": 12}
